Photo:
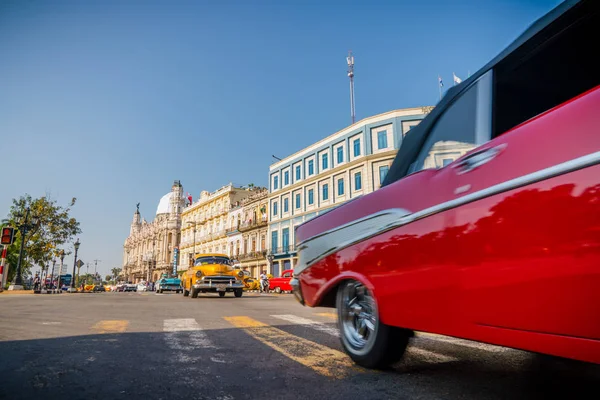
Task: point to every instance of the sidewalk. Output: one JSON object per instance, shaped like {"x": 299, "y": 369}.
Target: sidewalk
{"x": 8, "y": 292}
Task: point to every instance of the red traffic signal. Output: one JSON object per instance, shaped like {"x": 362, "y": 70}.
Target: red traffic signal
{"x": 8, "y": 235}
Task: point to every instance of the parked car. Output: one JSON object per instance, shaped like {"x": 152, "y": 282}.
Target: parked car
{"x": 487, "y": 226}
{"x": 141, "y": 287}
{"x": 166, "y": 284}
{"x": 99, "y": 288}
{"x": 130, "y": 287}
{"x": 282, "y": 283}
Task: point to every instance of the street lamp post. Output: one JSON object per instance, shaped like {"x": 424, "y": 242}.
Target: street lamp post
{"x": 52, "y": 273}
{"x": 62, "y": 259}
{"x": 24, "y": 228}
{"x": 270, "y": 258}
{"x": 76, "y": 246}
{"x": 193, "y": 223}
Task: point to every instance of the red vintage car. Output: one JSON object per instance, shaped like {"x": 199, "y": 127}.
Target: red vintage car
{"x": 487, "y": 226}
{"x": 282, "y": 283}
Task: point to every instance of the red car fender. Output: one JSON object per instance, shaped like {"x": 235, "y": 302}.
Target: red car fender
{"x": 330, "y": 288}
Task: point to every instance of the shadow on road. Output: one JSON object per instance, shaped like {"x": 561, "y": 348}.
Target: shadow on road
{"x": 231, "y": 364}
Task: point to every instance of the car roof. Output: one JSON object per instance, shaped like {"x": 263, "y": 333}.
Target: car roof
{"x": 538, "y": 32}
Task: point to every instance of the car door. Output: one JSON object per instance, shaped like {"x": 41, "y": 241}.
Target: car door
{"x": 414, "y": 268}
{"x": 527, "y": 224}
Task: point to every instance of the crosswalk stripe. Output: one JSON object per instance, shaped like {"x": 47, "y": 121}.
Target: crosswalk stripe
{"x": 195, "y": 338}
{"x": 115, "y": 326}
{"x": 319, "y": 326}
{"x": 319, "y": 358}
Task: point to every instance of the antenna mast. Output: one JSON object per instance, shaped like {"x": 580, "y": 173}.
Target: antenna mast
{"x": 350, "y": 61}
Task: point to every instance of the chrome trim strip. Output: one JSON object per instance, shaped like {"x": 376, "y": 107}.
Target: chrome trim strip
{"x": 313, "y": 250}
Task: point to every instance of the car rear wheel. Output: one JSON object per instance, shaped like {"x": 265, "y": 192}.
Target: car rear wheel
{"x": 277, "y": 290}
{"x": 186, "y": 293}
{"x": 194, "y": 293}
{"x": 369, "y": 342}
{"x": 221, "y": 294}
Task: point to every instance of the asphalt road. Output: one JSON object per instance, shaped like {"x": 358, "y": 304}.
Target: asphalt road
{"x": 150, "y": 346}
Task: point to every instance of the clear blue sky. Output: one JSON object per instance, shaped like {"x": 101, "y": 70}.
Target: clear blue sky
{"x": 110, "y": 101}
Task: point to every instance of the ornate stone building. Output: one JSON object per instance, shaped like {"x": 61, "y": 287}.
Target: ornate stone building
{"x": 150, "y": 248}
{"x": 205, "y": 222}
{"x": 254, "y": 229}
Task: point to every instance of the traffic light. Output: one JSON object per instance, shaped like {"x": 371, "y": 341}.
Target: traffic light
{"x": 8, "y": 235}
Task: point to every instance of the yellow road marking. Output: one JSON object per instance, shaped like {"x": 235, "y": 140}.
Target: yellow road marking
{"x": 321, "y": 359}
{"x": 116, "y": 326}
{"x": 327, "y": 314}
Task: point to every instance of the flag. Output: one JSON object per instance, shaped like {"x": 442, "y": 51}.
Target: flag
{"x": 456, "y": 78}
{"x": 189, "y": 197}
{"x": 440, "y": 79}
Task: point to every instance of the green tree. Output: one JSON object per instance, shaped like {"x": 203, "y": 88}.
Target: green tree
{"x": 116, "y": 272}
{"x": 54, "y": 229}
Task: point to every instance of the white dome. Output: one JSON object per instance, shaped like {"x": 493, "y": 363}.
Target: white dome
{"x": 164, "y": 206}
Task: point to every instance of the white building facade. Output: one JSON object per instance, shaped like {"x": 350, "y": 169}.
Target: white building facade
{"x": 345, "y": 165}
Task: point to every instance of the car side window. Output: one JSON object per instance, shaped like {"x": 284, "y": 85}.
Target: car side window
{"x": 286, "y": 275}
{"x": 466, "y": 124}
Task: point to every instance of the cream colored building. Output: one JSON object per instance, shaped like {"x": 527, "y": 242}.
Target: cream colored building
{"x": 342, "y": 166}
{"x": 204, "y": 223}
{"x": 150, "y": 249}
{"x": 253, "y": 228}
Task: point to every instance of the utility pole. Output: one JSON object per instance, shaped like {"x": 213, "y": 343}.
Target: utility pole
{"x": 95, "y": 268}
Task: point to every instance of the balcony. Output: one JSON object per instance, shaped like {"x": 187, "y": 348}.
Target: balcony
{"x": 249, "y": 225}
{"x": 232, "y": 231}
{"x": 285, "y": 250}
{"x": 254, "y": 255}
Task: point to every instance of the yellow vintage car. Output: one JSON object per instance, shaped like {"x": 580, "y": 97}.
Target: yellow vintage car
{"x": 212, "y": 273}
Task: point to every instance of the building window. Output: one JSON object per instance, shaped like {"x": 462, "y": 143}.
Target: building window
{"x": 324, "y": 164}
{"x": 446, "y": 161}
{"x": 311, "y": 167}
{"x": 340, "y": 155}
{"x": 297, "y": 172}
{"x": 298, "y": 200}
{"x": 274, "y": 241}
{"x": 286, "y": 178}
{"x": 276, "y": 183}
{"x": 382, "y": 173}
{"x": 325, "y": 192}
{"x": 311, "y": 196}
{"x": 356, "y": 147}
{"x": 286, "y": 205}
{"x": 274, "y": 208}
{"x": 357, "y": 181}
{"x": 285, "y": 239}
{"x": 382, "y": 140}
{"x": 341, "y": 187}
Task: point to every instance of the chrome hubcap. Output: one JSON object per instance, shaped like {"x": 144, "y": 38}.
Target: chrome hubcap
{"x": 358, "y": 316}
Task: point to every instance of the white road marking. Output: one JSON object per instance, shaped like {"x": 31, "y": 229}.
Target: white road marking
{"x": 430, "y": 356}
{"x": 185, "y": 337}
{"x": 319, "y": 326}
{"x": 51, "y": 323}
{"x": 462, "y": 342}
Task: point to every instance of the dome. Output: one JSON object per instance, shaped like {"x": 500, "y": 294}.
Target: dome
{"x": 164, "y": 205}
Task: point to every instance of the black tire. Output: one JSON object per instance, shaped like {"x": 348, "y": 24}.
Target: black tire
{"x": 385, "y": 346}
{"x": 221, "y": 294}
{"x": 160, "y": 291}
{"x": 277, "y": 290}
{"x": 238, "y": 292}
{"x": 194, "y": 293}
{"x": 186, "y": 293}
